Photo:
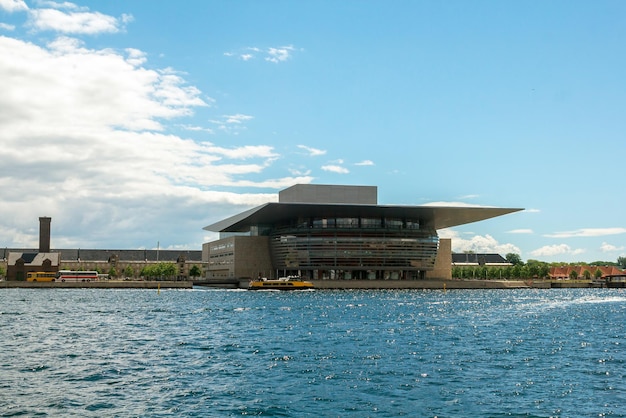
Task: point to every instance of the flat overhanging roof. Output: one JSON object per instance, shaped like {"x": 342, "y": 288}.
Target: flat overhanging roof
{"x": 438, "y": 216}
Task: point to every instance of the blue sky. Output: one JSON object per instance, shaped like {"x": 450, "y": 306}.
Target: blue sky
{"x": 137, "y": 123}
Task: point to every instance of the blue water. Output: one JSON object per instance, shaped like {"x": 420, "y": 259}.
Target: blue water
{"x": 204, "y": 353}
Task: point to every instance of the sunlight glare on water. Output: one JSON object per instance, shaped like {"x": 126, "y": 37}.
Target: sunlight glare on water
{"x": 202, "y": 352}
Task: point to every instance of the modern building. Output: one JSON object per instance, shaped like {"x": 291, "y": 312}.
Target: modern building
{"x": 332, "y": 232}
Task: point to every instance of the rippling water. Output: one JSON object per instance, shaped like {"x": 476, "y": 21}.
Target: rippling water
{"x": 492, "y": 353}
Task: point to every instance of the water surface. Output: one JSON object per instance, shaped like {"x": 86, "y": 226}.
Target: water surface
{"x": 200, "y": 353}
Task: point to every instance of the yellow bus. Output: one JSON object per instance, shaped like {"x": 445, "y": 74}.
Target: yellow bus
{"x": 40, "y": 276}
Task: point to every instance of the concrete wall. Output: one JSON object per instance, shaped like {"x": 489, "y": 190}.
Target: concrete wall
{"x": 238, "y": 256}
{"x": 443, "y": 262}
{"x": 252, "y": 257}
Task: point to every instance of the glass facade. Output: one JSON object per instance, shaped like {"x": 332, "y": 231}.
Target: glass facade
{"x": 354, "y": 248}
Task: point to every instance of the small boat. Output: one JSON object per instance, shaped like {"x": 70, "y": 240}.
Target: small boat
{"x": 283, "y": 283}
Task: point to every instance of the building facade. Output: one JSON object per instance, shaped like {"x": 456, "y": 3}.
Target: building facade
{"x": 17, "y": 263}
{"x": 327, "y": 232}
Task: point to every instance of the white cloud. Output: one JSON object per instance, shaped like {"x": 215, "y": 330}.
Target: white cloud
{"x": 335, "y": 169}
{"x": 135, "y": 57}
{"x": 300, "y": 172}
{"x": 58, "y": 5}
{"x": 477, "y": 243}
{"x": 271, "y": 54}
{"x": 231, "y": 124}
{"x": 532, "y": 210}
{"x": 75, "y": 22}
{"x": 198, "y": 129}
{"x": 365, "y": 163}
{"x": 313, "y": 152}
{"x": 82, "y": 130}
{"x": 13, "y": 5}
{"x": 520, "y": 231}
{"x": 557, "y": 249}
{"x": 47, "y": 90}
{"x": 588, "y": 232}
{"x": 609, "y": 248}
{"x": 279, "y": 54}
{"x": 6, "y": 26}
{"x": 238, "y": 118}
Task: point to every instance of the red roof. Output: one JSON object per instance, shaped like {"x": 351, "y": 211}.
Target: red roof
{"x": 564, "y": 272}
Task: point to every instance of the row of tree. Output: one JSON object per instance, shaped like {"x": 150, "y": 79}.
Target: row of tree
{"x": 160, "y": 271}
{"x": 516, "y": 259}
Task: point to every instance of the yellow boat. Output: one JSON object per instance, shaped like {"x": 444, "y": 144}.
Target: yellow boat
{"x": 283, "y": 283}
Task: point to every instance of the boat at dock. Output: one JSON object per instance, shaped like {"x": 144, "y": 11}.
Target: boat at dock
{"x": 283, "y": 283}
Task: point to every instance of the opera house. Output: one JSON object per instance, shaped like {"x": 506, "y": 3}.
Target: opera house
{"x": 335, "y": 232}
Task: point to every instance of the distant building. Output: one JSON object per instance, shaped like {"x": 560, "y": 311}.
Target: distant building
{"x": 19, "y": 262}
{"x": 595, "y": 272}
{"x": 328, "y": 232}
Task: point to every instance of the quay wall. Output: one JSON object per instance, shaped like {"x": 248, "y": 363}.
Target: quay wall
{"x": 408, "y": 284}
{"x": 108, "y": 284}
{"x": 420, "y": 284}
{"x": 425, "y": 284}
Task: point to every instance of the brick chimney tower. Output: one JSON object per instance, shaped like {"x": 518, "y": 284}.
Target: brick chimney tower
{"x": 44, "y": 234}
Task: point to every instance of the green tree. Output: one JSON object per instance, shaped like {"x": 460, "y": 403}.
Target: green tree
{"x": 538, "y": 269}
{"x": 159, "y": 271}
{"x": 621, "y": 261}
{"x": 573, "y": 275}
{"x": 586, "y": 274}
{"x": 544, "y": 271}
{"x": 129, "y": 272}
{"x": 532, "y": 269}
{"x": 597, "y": 274}
{"x": 195, "y": 271}
{"x": 495, "y": 273}
{"x": 112, "y": 272}
{"x": 2, "y": 272}
{"x": 514, "y": 259}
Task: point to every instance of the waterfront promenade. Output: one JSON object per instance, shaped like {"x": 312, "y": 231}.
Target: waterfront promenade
{"x": 104, "y": 284}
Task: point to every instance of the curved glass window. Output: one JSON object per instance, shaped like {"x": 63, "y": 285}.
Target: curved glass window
{"x": 347, "y": 251}
{"x": 393, "y": 223}
{"x": 371, "y": 223}
{"x": 347, "y": 222}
